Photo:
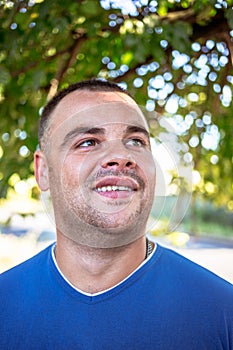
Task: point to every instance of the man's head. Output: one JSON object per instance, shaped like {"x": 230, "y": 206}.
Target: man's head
{"x": 96, "y": 161}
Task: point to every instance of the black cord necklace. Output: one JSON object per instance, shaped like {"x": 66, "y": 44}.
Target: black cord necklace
{"x": 149, "y": 247}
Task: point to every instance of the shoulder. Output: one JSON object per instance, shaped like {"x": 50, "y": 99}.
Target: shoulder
{"x": 25, "y": 271}
{"x": 177, "y": 270}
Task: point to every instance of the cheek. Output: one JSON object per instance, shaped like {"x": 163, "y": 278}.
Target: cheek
{"x": 69, "y": 172}
{"x": 147, "y": 165}
{"x": 75, "y": 170}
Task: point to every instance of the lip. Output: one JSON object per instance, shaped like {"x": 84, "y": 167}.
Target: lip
{"x": 117, "y": 181}
{"x": 129, "y": 185}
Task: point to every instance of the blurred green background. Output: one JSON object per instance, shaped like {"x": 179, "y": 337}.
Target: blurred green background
{"x": 175, "y": 58}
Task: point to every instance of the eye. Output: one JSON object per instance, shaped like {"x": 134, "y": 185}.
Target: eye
{"x": 87, "y": 143}
{"x": 135, "y": 142}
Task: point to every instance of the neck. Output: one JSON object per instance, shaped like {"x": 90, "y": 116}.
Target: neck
{"x": 93, "y": 270}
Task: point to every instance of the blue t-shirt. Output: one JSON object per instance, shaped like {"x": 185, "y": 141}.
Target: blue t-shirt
{"x": 169, "y": 303}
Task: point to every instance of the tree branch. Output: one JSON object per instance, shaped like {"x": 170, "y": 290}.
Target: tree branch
{"x": 30, "y": 65}
{"x": 66, "y": 64}
{"x": 72, "y": 57}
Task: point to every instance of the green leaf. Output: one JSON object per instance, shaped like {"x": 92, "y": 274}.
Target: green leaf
{"x": 90, "y": 8}
{"x": 5, "y": 76}
{"x": 229, "y": 16}
{"x": 127, "y": 57}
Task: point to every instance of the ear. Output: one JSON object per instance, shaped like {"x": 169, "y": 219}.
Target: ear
{"x": 41, "y": 170}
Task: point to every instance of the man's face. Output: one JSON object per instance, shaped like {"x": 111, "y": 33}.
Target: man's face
{"x": 101, "y": 170}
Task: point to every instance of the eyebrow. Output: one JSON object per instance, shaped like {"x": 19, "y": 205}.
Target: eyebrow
{"x": 137, "y": 129}
{"x": 81, "y": 130}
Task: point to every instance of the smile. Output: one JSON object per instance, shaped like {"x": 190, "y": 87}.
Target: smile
{"x": 116, "y": 184}
{"x": 114, "y": 188}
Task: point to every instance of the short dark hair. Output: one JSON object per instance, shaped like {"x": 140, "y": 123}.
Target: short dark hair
{"x": 89, "y": 85}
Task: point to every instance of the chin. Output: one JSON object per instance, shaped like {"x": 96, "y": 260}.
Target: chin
{"x": 120, "y": 225}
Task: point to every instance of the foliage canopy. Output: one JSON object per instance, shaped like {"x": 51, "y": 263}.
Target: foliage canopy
{"x": 175, "y": 57}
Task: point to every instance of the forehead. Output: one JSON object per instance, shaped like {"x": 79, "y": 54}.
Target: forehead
{"x": 95, "y": 108}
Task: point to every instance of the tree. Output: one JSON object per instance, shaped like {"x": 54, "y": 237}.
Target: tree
{"x": 175, "y": 57}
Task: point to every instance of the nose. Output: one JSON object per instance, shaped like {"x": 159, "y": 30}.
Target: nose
{"x": 119, "y": 163}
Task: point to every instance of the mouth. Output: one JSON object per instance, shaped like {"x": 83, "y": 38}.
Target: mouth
{"x": 116, "y": 187}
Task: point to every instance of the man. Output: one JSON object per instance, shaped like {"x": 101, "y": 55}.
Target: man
{"x": 104, "y": 285}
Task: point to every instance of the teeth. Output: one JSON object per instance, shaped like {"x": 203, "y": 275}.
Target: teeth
{"x": 113, "y": 188}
